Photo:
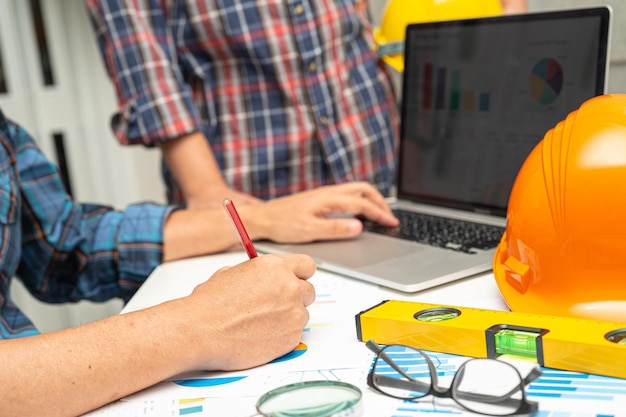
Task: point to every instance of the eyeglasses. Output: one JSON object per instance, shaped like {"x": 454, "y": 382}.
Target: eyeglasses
{"x": 484, "y": 386}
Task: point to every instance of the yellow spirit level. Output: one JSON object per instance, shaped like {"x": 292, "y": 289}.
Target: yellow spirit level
{"x": 571, "y": 344}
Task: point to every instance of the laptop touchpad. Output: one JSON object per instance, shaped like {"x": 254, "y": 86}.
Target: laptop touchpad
{"x": 361, "y": 251}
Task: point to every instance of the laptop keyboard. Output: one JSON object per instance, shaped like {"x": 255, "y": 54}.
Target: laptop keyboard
{"x": 459, "y": 235}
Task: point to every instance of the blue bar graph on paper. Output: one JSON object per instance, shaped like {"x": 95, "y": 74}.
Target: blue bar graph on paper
{"x": 408, "y": 411}
{"x": 416, "y": 365}
{"x": 190, "y": 410}
{"x": 559, "y": 393}
{"x": 571, "y": 385}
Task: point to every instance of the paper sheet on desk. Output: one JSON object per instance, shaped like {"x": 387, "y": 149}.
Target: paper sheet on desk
{"x": 329, "y": 345}
{"x": 330, "y": 350}
{"x": 560, "y": 394}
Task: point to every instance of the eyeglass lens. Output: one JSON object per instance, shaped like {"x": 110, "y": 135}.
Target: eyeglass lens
{"x": 488, "y": 386}
{"x": 484, "y": 386}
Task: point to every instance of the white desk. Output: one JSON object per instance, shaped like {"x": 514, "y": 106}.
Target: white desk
{"x": 177, "y": 279}
{"x": 331, "y": 350}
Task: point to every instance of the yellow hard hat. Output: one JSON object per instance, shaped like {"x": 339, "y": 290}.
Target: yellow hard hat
{"x": 389, "y": 37}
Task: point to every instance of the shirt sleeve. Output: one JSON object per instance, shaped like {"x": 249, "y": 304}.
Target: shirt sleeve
{"x": 138, "y": 49}
{"x": 74, "y": 251}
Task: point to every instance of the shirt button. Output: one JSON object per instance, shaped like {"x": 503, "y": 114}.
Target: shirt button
{"x": 324, "y": 120}
{"x": 298, "y": 10}
{"x": 312, "y": 66}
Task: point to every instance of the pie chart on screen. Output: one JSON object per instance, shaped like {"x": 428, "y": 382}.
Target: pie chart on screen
{"x": 546, "y": 80}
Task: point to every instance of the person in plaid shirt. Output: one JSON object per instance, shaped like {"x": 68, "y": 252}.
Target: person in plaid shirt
{"x": 64, "y": 251}
{"x": 250, "y": 98}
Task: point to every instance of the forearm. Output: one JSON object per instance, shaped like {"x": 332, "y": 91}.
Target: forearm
{"x": 302, "y": 217}
{"x": 189, "y": 233}
{"x": 70, "y": 372}
{"x": 193, "y": 164}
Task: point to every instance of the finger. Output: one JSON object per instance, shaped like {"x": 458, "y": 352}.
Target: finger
{"x": 335, "y": 228}
{"x": 308, "y": 293}
{"x": 367, "y": 208}
{"x": 303, "y": 266}
{"x": 370, "y": 193}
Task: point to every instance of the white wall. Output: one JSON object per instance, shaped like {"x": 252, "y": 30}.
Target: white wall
{"x": 78, "y": 104}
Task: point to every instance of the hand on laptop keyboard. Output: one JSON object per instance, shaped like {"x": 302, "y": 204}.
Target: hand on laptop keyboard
{"x": 442, "y": 232}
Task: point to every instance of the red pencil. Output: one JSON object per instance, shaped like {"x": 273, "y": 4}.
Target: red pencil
{"x": 241, "y": 229}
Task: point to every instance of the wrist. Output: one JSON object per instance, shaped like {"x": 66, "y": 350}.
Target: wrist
{"x": 257, "y": 223}
{"x": 181, "y": 326}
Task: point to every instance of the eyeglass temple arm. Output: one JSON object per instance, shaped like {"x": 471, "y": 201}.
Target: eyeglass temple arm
{"x": 374, "y": 347}
{"x": 405, "y": 384}
{"x": 532, "y": 375}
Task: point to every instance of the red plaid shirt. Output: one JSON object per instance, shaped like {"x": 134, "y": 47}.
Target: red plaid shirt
{"x": 289, "y": 93}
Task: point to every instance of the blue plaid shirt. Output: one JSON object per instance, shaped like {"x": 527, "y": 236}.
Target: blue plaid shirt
{"x": 289, "y": 93}
{"x": 63, "y": 251}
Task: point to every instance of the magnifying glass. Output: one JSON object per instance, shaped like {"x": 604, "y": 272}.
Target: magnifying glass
{"x": 312, "y": 399}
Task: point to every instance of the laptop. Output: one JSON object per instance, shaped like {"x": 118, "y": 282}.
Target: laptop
{"x": 478, "y": 95}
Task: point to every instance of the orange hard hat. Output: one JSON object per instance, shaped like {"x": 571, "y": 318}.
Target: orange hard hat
{"x": 397, "y": 14}
{"x": 564, "y": 248}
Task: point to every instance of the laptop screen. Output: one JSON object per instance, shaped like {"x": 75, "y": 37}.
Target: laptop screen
{"x": 479, "y": 94}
